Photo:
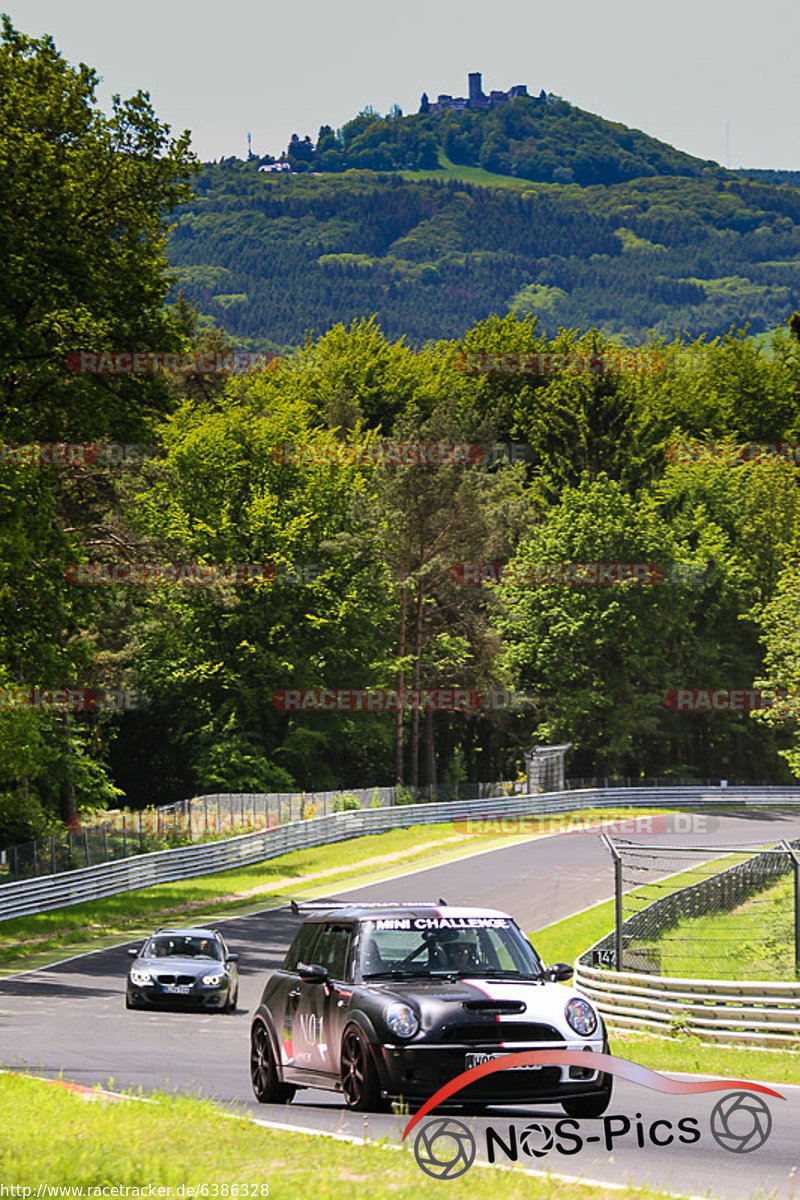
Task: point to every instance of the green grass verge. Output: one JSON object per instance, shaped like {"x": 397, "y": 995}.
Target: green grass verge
{"x": 702, "y": 1058}
{"x": 56, "y": 1138}
{"x": 755, "y": 940}
{"x": 565, "y": 940}
{"x": 249, "y": 889}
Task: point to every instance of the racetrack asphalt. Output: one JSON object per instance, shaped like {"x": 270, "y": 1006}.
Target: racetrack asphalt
{"x": 70, "y": 1019}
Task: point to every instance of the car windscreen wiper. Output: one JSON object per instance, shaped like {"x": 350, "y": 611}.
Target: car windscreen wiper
{"x": 397, "y": 974}
{"x": 500, "y": 974}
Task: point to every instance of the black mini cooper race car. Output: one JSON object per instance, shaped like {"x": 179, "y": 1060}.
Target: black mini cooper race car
{"x": 393, "y": 1001}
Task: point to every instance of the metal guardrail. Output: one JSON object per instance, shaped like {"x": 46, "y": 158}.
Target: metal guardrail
{"x": 166, "y": 866}
{"x": 757, "y": 1014}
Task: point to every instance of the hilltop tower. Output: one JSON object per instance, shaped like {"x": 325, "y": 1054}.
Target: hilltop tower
{"x": 475, "y": 89}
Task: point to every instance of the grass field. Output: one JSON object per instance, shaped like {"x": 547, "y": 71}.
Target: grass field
{"x": 755, "y": 940}
{"x": 302, "y": 872}
{"x": 450, "y": 170}
{"x": 566, "y": 940}
{"x": 53, "y": 1137}
{"x": 703, "y": 1058}
{"x": 573, "y": 935}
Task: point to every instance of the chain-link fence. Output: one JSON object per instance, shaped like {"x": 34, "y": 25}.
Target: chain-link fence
{"x": 713, "y": 912}
{"x": 112, "y": 835}
{"x": 69, "y": 850}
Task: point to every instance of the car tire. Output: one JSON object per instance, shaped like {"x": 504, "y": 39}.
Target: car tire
{"x": 360, "y": 1084}
{"x": 585, "y": 1107}
{"x": 129, "y": 1003}
{"x": 267, "y": 1086}
{"x": 230, "y": 1007}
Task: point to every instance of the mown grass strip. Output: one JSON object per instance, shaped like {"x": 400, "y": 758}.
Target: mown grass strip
{"x": 51, "y": 1137}
{"x": 690, "y": 1054}
{"x": 754, "y": 940}
{"x": 564, "y": 941}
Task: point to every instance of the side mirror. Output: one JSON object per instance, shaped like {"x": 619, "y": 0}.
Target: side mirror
{"x": 133, "y": 954}
{"x": 312, "y": 972}
{"x": 232, "y": 958}
{"x": 559, "y": 972}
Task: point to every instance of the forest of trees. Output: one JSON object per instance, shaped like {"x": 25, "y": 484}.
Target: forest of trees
{"x": 273, "y": 259}
{"x": 362, "y": 591}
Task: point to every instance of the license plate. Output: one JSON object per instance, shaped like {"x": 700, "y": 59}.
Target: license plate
{"x": 178, "y": 989}
{"x": 477, "y": 1060}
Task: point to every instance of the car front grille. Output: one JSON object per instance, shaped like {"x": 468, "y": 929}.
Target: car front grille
{"x": 180, "y": 979}
{"x": 505, "y": 1031}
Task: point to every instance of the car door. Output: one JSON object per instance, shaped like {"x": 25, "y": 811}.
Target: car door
{"x": 325, "y": 1005}
{"x": 289, "y": 1002}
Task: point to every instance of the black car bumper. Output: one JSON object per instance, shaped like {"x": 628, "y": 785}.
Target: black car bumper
{"x": 416, "y": 1072}
{"x": 198, "y": 997}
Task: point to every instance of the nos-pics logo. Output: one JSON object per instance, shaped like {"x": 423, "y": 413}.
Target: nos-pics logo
{"x": 445, "y": 1148}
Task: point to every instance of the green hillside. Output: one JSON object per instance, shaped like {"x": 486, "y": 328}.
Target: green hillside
{"x": 273, "y": 257}
{"x": 542, "y": 138}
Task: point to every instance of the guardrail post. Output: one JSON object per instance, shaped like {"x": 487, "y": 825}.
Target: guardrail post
{"x": 617, "y": 901}
{"x": 796, "y": 869}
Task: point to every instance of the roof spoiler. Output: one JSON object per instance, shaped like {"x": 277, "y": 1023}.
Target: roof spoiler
{"x": 298, "y": 906}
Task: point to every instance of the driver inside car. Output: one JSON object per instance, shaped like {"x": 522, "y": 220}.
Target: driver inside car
{"x": 461, "y": 956}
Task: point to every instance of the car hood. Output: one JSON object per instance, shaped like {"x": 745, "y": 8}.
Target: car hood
{"x": 180, "y": 966}
{"x": 544, "y": 1002}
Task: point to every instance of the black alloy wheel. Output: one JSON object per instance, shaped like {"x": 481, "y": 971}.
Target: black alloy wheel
{"x": 360, "y": 1084}
{"x": 267, "y": 1086}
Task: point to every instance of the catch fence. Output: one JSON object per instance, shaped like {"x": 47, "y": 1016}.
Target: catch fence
{"x": 109, "y": 878}
{"x": 704, "y": 911}
{"x": 114, "y": 835}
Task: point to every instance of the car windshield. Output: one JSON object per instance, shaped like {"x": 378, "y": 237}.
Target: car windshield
{"x": 437, "y": 946}
{"x": 182, "y": 946}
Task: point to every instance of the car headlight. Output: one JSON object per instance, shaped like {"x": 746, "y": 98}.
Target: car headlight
{"x": 213, "y": 980}
{"x": 402, "y": 1020}
{"x": 581, "y": 1017}
{"x": 140, "y": 978}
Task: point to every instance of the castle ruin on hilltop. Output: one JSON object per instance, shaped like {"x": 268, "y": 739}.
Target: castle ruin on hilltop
{"x": 476, "y": 97}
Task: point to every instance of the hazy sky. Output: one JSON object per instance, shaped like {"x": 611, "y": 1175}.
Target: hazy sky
{"x": 680, "y": 71}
